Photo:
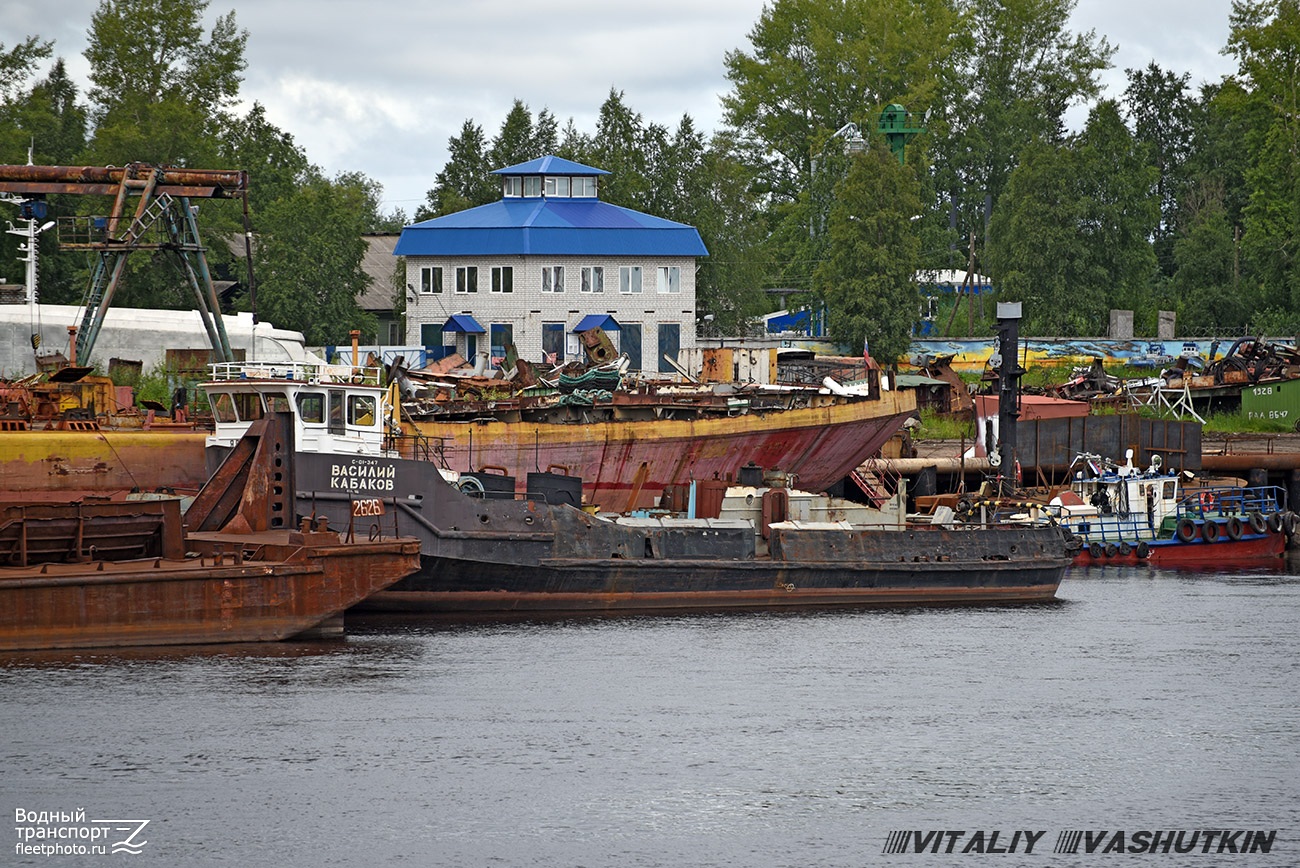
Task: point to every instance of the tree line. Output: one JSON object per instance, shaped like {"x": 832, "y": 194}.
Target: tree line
{"x": 1169, "y": 197}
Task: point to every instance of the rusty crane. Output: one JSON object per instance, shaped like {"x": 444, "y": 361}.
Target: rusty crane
{"x": 163, "y": 219}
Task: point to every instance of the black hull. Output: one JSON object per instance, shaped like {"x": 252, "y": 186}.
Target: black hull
{"x": 456, "y": 587}
{"x": 486, "y": 556}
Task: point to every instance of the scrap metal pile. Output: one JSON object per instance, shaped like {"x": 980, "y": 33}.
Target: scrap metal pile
{"x": 590, "y": 390}
{"x": 1248, "y": 360}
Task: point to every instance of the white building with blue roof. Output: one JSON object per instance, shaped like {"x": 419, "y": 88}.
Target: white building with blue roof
{"x": 546, "y": 261}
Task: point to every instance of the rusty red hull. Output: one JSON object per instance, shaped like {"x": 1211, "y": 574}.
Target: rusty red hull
{"x": 1250, "y": 550}
{"x": 625, "y": 465}
{"x": 497, "y": 603}
{"x": 287, "y": 589}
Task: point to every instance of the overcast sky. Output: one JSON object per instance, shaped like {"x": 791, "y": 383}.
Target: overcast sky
{"x": 378, "y": 86}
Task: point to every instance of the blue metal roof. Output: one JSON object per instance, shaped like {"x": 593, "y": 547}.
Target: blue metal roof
{"x": 549, "y": 165}
{"x": 597, "y": 320}
{"x": 463, "y": 322}
{"x": 549, "y": 227}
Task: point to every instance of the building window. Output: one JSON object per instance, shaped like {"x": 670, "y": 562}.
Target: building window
{"x": 553, "y": 278}
{"x": 503, "y": 339}
{"x": 630, "y": 343}
{"x": 629, "y": 279}
{"x": 584, "y": 188}
{"x": 532, "y": 186}
{"x": 503, "y": 278}
{"x": 430, "y": 279}
{"x": 670, "y": 345}
{"x": 467, "y": 278}
{"x": 512, "y": 186}
{"x": 670, "y": 279}
{"x": 593, "y": 279}
{"x": 557, "y": 185}
{"x": 553, "y": 342}
{"x": 430, "y": 334}
{"x": 395, "y": 336}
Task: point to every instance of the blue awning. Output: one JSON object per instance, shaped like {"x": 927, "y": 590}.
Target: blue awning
{"x": 596, "y": 321}
{"x": 463, "y": 322}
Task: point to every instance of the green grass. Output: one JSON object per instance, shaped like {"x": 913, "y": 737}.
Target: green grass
{"x": 935, "y": 426}
{"x": 1238, "y": 423}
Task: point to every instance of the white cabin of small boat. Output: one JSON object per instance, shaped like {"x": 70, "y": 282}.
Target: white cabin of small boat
{"x": 335, "y": 408}
{"x": 1121, "y": 490}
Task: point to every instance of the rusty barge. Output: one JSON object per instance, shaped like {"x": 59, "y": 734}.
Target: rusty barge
{"x": 486, "y": 550}
{"x": 90, "y": 574}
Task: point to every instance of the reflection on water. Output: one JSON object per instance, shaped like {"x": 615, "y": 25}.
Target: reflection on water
{"x": 1144, "y": 699}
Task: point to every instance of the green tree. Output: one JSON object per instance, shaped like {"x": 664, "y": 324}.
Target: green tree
{"x": 1071, "y": 238}
{"x": 465, "y": 180}
{"x": 723, "y": 203}
{"x": 1206, "y": 299}
{"x": 1120, "y": 213}
{"x": 1022, "y": 69}
{"x": 1034, "y": 242}
{"x": 574, "y": 144}
{"x": 48, "y": 119}
{"x": 160, "y": 91}
{"x": 309, "y": 261}
{"x": 868, "y": 278}
{"x": 1158, "y": 104}
{"x": 514, "y": 144}
{"x": 545, "y": 134}
{"x": 18, "y": 65}
{"x": 619, "y": 147}
{"x": 1265, "y": 38}
{"x": 276, "y": 165}
{"x": 814, "y": 65}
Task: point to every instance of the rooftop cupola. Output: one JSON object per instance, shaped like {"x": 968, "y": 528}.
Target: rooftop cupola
{"x": 549, "y": 177}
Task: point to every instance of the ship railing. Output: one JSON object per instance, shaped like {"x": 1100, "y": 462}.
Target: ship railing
{"x": 303, "y": 372}
{"x": 1228, "y": 500}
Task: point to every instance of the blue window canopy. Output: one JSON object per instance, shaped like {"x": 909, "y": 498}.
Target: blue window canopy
{"x": 463, "y": 322}
{"x": 596, "y": 321}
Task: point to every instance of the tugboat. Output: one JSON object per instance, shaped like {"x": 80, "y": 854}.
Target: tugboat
{"x": 484, "y": 549}
{"x": 1122, "y": 513}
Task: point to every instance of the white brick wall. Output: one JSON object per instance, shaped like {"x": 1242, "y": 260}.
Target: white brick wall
{"x": 527, "y": 307}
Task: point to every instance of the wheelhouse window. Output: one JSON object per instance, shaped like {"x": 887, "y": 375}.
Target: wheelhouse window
{"x": 553, "y": 278}
{"x": 430, "y": 279}
{"x": 249, "y": 406}
{"x": 669, "y": 279}
{"x": 593, "y": 279}
{"x": 361, "y": 410}
{"x": 467, "y": 278}
{"x": 223, "y": 408}
{"x": 629, "y": 279}
{"x": 512, "y": 187}
{"x": 311, "y": 408}
{"x": 503, "y": 278}
{"x": 277, "y": 402}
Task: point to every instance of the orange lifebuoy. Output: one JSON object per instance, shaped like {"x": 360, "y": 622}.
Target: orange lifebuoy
{"x": 1206, "y": 500}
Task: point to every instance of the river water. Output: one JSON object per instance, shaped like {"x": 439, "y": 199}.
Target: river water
{"x": 1142, "y": 700}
